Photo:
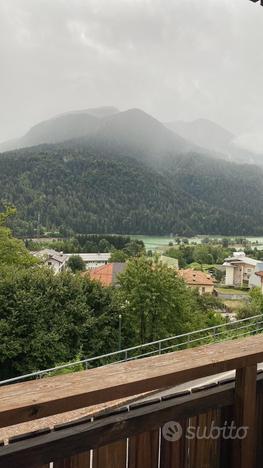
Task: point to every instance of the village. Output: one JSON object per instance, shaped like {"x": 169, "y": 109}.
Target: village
{"x": 239, "y": 274}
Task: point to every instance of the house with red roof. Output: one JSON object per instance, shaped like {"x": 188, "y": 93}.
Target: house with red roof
{"x": 198, "y": 280}
{"x": 107, "y": 275}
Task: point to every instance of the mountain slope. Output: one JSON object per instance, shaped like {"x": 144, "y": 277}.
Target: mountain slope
{"x": 132, "y": 129}
{"x": 63, "y": 127}
{"x": 86, "y": 191}
{"x": 77, "y": 190}
{"x": 216, "y": 139}
{"x": 204, "y": 133}
{"x": 137, "y": 133}
{"x": 131, "y": 175}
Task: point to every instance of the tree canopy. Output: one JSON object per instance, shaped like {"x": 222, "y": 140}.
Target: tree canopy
{"x": 157, "y": 303}
{"x": 12, "y": 250}
{"x": 75, "y": 263}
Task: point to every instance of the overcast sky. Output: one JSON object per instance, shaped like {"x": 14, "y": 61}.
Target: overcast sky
{"x": 176, "y": 59}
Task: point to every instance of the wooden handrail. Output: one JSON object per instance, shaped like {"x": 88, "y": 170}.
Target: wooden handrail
{"x": 65, "y": 442}
{"x": 36, "y": 399}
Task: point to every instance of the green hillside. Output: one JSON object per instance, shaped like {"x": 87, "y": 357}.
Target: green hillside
{"x": 87, "y": 191}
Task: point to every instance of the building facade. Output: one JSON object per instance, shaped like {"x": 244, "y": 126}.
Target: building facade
{"x": 239, "y": 269}
{"x": 199, "y": 280}
{"x": 93, "y": 260}
{"x": 53, "y": 259}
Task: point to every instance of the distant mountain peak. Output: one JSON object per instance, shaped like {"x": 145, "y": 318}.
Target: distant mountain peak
{"x": 62, "y": 127}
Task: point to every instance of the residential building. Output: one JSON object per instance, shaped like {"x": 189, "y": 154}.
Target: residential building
{"x": 198, "y": 280}
{"x": 256, "y": 279}
{"x": 93, "y": 260}
{"x": 107, "y": 275}
{"x": 53, "y": 259}
{"x": 239, "y": 269}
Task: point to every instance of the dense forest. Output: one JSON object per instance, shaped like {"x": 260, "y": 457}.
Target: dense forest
{"x": 130, "y": 182}
{"x": 90, "y": 243}
{"x": 77, "y": 191}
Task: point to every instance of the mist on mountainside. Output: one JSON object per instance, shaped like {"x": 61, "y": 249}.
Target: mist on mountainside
{"x": 135, "y": 127}
{"x": 127, "y": 172}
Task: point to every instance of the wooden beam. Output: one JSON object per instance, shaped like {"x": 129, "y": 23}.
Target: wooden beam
{"x": 37, "y": 399}
{"x": 72, "y": 441}
{"x": 245, "y": 417}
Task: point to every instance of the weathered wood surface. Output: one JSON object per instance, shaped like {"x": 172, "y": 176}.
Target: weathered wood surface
{"x": 72, "y": 441}
{"x": 174, "y": 454}
{"x": 226, "y": 445}
{"x": 144, "y": 450}
{"x": 81, "y": 460}
{"x": 204, "y": 451}
{"x": 110, "y": 456}
{"x": 107, "y": 436}
{"x": 245, "y": 417}
{"x": 37, "y": 399}
{"x": 259, "y": 415}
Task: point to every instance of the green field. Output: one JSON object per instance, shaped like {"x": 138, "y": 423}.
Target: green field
{"x": 162, "y": 242}
{"x": 232, "y": 291}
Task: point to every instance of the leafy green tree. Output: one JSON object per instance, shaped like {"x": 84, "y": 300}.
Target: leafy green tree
{"x": 254, "y": 307}
{"x": 47, "y": 319}
{"x": 184, "y": 254}
{"x": 225, "y": 242}
{"x": 134, "y": 248}
{"x": 118, "y": 256}
{"x": 75, "y": 263}
{"x": 12, "y": 251}
{"x": 156, "y": 302}
{"x": 104, "y": 245}
{"x": 202, "y": 254}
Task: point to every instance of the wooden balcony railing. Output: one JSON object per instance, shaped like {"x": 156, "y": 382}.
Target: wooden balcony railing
{"x": 132, "y": 435}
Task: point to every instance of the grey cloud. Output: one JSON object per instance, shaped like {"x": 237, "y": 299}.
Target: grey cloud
{"x": 174, "y": 59}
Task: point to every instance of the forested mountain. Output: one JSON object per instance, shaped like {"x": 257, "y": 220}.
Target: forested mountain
{"x": 106, "y": 125}
{"x": 88, "y": 193}
{"x": 140, "y": 134}
{"x": 139, "y": 131}
{"x": 132, "y": 175}
{"x": 63, "y": 127}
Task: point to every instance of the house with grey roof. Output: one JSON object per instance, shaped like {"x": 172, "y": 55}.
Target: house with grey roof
{"x": 53, "y": 259}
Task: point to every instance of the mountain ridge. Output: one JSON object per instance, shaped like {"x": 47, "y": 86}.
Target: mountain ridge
{"x": 130, "y": 175}
{"x": 214, "y": 138}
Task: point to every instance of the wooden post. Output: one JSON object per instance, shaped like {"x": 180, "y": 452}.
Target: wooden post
{"x": 245, "y": 416}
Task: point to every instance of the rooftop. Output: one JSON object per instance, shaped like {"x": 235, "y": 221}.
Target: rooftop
{"x": 46, "y": 254}
{"x": 194, "y": 277}
{"x": 240, "y": 257}
{"x": 107, "y": 275}
{"x": 93, "y": 257}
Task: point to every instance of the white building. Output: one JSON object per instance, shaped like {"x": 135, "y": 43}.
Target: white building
{"x": 53, "y": 259}
{"x": 256, "y": 279}
{"x": 239, "y": 269}
{"x": 93, "y": 260}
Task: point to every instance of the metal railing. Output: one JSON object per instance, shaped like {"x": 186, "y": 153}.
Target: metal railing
{"x": 217, "y": 333}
